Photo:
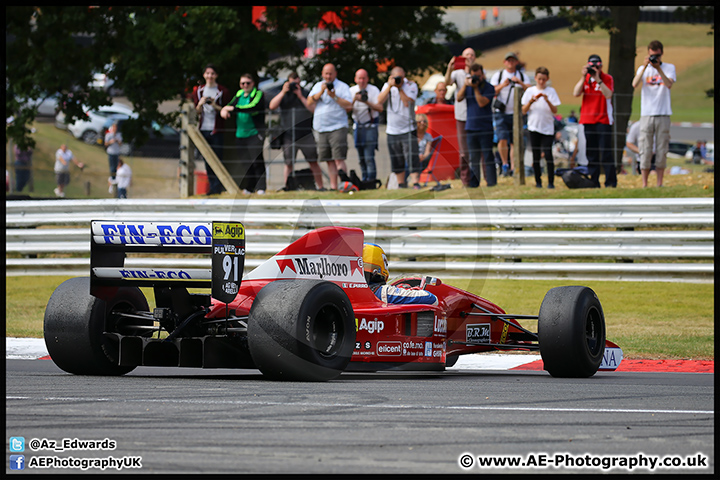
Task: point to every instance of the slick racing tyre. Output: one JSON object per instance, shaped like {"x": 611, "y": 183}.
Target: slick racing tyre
{"x": 571, "y": 332}
{"x": 301, "y": 330}
{"x": 75, "y": 323}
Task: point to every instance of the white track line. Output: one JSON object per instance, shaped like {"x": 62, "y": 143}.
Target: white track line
{"x": 359, "y": 405}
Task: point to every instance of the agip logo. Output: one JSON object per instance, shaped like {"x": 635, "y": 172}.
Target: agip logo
{"x": 228, "y": 231}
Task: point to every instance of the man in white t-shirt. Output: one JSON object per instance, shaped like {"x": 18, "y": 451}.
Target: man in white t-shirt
{"x": 63, "y": 157}
{"x": 400, "y": 95}
{"x": 330, "y": 101}
{"x": 123, "y": 179}
{"x": 657, "y": 78}
{"x": 365, "y": 114}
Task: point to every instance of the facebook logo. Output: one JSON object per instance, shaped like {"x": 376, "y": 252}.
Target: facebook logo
{"x": 17, "y": 462}
{"x": 17, "y": 444}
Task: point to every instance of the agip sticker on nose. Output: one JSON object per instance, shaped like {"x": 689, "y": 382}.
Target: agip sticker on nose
{"x": 228, "y": 259}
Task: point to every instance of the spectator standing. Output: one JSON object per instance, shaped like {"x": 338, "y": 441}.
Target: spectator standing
{"x": 209, "y": 100}
{"x": 656, "y": 78}
{"x": 123, "y": 179}
{"x": 596, "y": 114}
{"x": 332, "y": 101}
{"x": 113, "y": 141}
{"x": 504, "y": 82}
{"x": 479, "y": 125}
{"x": 496, "y": 15}
{"x": 366, "y": 116}
{"x": 483, "y": 17}
{"x": 296, "y": 123}
{"x": 249, "y": 106}
{"x": 63, "y": 157}
{"x": 400, "y": 94}
{"x": 23, "y": 167}
{"x": 539, "y": 103}
{"x": 440, "y": 93}
{"x": 458, "y": 70}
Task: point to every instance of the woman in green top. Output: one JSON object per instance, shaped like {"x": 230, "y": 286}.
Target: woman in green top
{"x": 249, "y": 104}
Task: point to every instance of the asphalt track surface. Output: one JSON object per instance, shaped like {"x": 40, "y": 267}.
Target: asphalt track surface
{"x": 234, "y": 421}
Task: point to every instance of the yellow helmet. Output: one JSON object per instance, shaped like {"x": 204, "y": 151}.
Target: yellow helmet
{"x": 375, "y": 263}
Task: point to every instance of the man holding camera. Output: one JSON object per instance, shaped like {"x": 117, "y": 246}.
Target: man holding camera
{"x": 479, "y": 125}
{"x": 596, "y": 116}
{"x": 458, "y": 69}
{"x": 504, "y": 82}
{"x": 331, "y": 100}
{"x": 296, "y": 123}
{"x": 401, "y": 131}
{"x": 365, "y": 114}
{"x": 657, "y": 78}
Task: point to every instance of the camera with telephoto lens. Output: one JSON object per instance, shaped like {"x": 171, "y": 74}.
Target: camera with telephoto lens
{"x": 330, "y": 86}
{"x": 590, "y": 70}
{"x": 398, "y": 80}
{"x": 293, "y": 86}
{"x": 363, "y": 95}
{"x": 475, "y": 79}
{"x": 654, "y": 58}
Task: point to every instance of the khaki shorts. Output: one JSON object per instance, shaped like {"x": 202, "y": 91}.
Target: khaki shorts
{"x": 332, "y": 145}
{"x": 654, "y": 130}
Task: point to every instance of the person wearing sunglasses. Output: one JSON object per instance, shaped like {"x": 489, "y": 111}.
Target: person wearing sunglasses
{"x": 249, "y": 106}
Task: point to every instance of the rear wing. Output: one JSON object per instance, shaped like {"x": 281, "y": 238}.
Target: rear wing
{"x": 111, "y": 243}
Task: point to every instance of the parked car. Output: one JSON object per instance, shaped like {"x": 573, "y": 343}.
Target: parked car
{"x": 89, "y": 129}
{"x": 678, "y": 149}
{"x": 163, "y": 141}
{"x": 47, "y": 106}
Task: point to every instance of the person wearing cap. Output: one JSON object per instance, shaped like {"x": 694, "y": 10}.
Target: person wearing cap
{"x": 504, "y": 82}
{"x": 657, "y": 78}
{"x": 596, "y": 115}
{"x": 375, "y": 266}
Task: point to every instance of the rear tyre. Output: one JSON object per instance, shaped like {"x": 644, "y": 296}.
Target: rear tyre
{"x": 75, "y": 322}
{"x": 571, "y": 332}
{"x": 301, "y": 330}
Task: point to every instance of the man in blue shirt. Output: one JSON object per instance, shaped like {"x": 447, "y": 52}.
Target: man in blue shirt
{"x": 479, "y": 125}
{"x": 376, "y": 273}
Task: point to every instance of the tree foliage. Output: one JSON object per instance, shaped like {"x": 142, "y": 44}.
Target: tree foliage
{"x": 157, "y": 53}
{"x": 373, "y": 38}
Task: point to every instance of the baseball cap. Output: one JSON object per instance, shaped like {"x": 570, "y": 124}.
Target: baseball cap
{"x": 510, "y": 55}
{"x": 594, "y": 59}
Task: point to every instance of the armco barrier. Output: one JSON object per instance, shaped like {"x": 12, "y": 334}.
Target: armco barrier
{"x": 622, "y": 239}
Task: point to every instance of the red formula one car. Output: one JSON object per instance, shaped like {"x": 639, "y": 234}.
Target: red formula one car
{"x": 306, "y": 314}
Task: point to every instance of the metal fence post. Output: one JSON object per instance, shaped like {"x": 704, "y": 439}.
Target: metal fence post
{"x": 187, "y": 163}
{"x": 518, "y": 139}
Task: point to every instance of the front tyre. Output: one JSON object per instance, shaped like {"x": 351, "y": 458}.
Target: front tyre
{"x": 571, "y": 332}
{"x": 75, "y": 323}
{"x": 301, "y": 330}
